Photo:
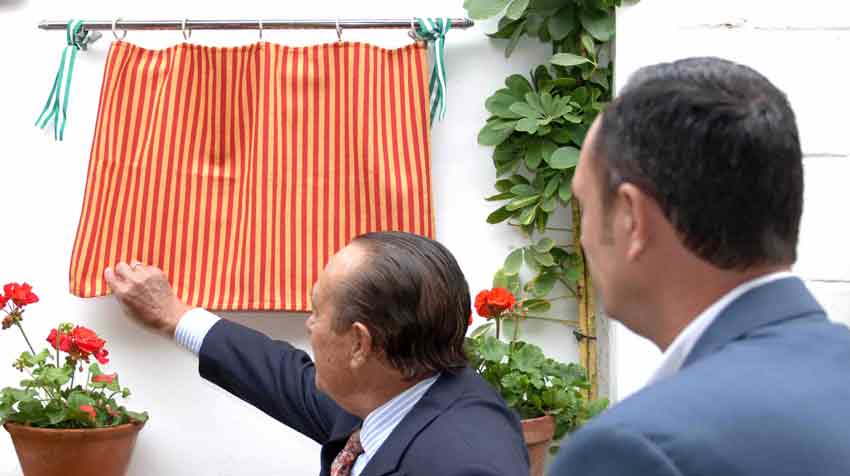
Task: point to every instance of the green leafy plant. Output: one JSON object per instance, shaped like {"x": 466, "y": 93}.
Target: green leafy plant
{"x": 49, "y": 397}
{"x": 536, "y": 127}
{"x": 531, "y": 383}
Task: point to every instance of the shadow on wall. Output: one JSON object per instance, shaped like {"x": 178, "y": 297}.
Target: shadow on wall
{"x": 10, "y": 5}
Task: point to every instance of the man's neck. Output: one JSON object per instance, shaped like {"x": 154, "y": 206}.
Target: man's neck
{"x": 379, "y": 390}
{"x": 682, "y": 301}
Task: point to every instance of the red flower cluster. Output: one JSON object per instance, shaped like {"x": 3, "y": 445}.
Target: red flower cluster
{"x": 493, "y": 302}
{"x": 20, "y": 294}
{"x": 80, "y": 343}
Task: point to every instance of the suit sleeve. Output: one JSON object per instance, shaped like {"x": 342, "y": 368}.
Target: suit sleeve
{"x": 611, "y": 451}
{"x": 271, "y": 375}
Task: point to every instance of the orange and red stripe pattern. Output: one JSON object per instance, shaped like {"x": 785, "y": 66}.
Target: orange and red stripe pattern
{"x": 240, "y": 171}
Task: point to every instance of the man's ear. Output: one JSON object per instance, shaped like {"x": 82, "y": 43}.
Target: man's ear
{"x": 634, "y": 220}
{"x": 361, "y": 344}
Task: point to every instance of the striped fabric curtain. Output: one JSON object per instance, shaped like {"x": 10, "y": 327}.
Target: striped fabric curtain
{"x": 240, "y": 171}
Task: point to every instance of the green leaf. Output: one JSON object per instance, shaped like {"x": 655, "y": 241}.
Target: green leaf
{"x": 543, "y": 284}
{"x": 551, "y": 186}
{"x": 517, "y": 179}
{"x": 527, "y": 125}
{"x": 545, "y": 259}
{"x": 523, "y": 109}
{"x": 572, "y": 274}
{"x": 56, "y": 376}
{"x": 533, "y": 100}
{"x": 56, "y": 415}
{"x": 523, "y": 190}
{"x": 516, "y": 9}
{"x": 522, "y": 202}
{"x": 499, "y": 216}
{"x": 538, "y": 305}
{"x": 499, "y": 196}
{"x": 600, "y": 24}
{"x": 504, "y": 185}
{"x": 544, "y": 245}
{"x": 499, "y": 105}
{"x": 483, "y": 9}
{"x": 518, "y": 85}
{"x": 527, "y": 216}
{"x": 514, "y": 41}
{"x": 565, "y": 192}
{"x": 533, "y": 156}
{"x": 528, "y": 359}
{"x": 587, "y": 43}
{"x": 596, "y": 407}
{"x": 564, "y": 158}
{"x": 139, "y": 417}
{"x": 506, "y": 29}
{"x": 513, "y": 262}
{"x": 568, "y": 59}
{"x": 563, "y": 23}
{"x": 548, "y": 205}
{"x": 491, "y": 134}
{"x": 493, "y": 350}
{"x": 481, "y": 330}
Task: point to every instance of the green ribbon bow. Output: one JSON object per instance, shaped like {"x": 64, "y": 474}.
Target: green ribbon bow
{"x": 433, "y": 30}
{"x": 56, "y": 107}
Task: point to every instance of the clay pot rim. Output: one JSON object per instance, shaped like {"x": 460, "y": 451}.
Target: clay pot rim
{"x": 20, "y": 427}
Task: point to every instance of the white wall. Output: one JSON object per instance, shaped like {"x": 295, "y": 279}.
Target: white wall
{"x": 196, "y": 428}
{"x": 801, "y": 47}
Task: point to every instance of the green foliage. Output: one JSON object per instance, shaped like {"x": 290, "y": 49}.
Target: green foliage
{"x": 536, "y": 127}
{"x": 50, "y": 398}
{"x": 533, "y": 384}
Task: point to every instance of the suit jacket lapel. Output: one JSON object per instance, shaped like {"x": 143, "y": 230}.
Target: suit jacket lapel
{"x": 777, "y": 301}
{"x": 444, "y": 392}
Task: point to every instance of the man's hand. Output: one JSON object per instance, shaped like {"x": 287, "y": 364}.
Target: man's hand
{"x": 147, "y": 296}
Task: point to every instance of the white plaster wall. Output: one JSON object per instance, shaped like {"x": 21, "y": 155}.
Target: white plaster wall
{"x": 800, "y": 46}
{"x": 196, "y": 428}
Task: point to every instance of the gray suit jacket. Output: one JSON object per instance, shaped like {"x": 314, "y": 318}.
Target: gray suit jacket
{"x": 765, "y": 391}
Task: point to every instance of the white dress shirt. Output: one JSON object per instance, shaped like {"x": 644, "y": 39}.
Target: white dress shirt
{"x": 378, "y": 425}
{"x": 675, "y": 355}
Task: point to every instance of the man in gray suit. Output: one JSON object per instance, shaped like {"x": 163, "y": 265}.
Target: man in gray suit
{"x": 691, "y": 183}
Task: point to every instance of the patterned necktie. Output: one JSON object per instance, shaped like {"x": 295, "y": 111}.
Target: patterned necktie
{"x": 344, "y": 461}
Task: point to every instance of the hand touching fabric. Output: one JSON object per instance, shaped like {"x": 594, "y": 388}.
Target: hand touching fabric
{"x": 147, "y": 296}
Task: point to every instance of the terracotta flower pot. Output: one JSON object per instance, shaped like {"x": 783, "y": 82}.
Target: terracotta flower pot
{"x": 50, "y": 452}
{"x": 538, "y": 433}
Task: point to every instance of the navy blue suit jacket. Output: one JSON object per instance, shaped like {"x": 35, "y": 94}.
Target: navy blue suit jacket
{"x": 764, "y": 392}
{"x": 460, "y": 427}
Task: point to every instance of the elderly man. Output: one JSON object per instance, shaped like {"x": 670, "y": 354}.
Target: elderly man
{"x": 388, "y": 392}
{"x": 691, "y": 183}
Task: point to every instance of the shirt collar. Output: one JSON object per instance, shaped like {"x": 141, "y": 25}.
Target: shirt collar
{"x": 675, "y": 355}
{"x": 382, "y": 421}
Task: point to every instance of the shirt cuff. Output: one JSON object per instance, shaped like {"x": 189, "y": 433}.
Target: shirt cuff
{"x": 193, "y": 327}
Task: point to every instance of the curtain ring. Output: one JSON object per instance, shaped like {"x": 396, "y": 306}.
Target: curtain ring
{"x": 260, "y": 23}
{"x": 115, "y": 32}
{"x": 338, "y": 31}
{"x": 412, "y": 33}
{"x": 187, "y": 33}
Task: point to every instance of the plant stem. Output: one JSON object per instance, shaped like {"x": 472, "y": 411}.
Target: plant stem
{"x": 25, "y": 337}
{"x": 498, "y": 327}
{"x": 516, "y": 328}
{"x": 553, "y": 228}
{"x": 565, "y": 322}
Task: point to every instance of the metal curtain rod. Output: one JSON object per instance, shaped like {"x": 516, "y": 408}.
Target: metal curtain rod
{"x": 259, "y": 24}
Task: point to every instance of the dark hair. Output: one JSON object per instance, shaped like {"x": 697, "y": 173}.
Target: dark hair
{"x": 716, "y": 145}
{"x": 412, "y": 296}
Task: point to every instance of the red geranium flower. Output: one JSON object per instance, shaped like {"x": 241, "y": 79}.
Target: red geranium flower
{"x": 63, "y": 342}
{"x": 494, "y": 302}
{"x": 3, "y": 300}
{"x": 20, "y": 294}
{"x": 104, "y": 378}
{"x": 88, "y": 409}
